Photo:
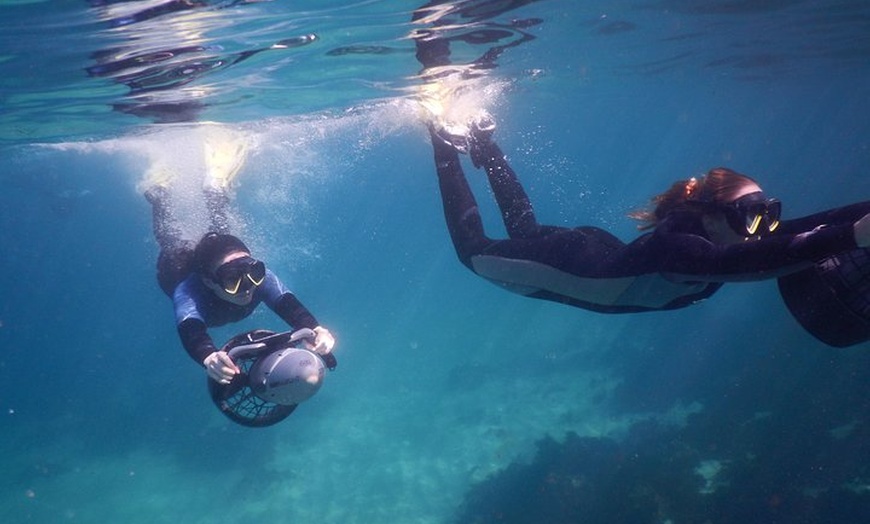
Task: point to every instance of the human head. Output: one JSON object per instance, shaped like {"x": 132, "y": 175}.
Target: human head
{"x": 720, "y": 199}
{"x": 226, "y": 267}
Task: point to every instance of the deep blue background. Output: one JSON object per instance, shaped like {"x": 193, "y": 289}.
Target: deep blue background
{"x": 444, "y": 379}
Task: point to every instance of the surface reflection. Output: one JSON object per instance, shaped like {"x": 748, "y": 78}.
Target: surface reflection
{"x": 167, "y": 46}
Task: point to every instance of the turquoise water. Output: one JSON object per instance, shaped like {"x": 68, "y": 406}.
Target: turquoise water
{"x": 454, "y": 401}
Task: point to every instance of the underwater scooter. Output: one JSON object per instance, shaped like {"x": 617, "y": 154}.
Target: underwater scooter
{"x": 831, "y": 299}
{"x": 277, "y": 374}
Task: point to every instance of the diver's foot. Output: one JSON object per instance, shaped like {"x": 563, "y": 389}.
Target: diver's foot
{"x": 454, "y": 136}
{"x": 479, "y": 136}
{"x": 159, "y": 175}
{"x": 433, "y": 101}
{"x": 156, "y": 195}
{"x": 225, "y": 153}
{"x": 466, "y": 138}
{"x": 482, "y": 127}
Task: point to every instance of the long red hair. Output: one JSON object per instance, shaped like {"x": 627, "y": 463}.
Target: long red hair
{"x": 719, "y": 185}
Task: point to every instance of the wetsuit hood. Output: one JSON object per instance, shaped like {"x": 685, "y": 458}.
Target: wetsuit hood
{"x": 214, "y": 247}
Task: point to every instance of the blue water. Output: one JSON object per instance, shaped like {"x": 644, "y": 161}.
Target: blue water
{"x": 454, "y": 401}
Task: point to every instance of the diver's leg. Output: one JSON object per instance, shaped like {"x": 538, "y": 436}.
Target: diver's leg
{"x": 460, "y": 208}
{"x": 176, "y": 253}
{"x": 224, "y": 152}
{"x": 166, "y": 230}
{"x": 217, "y": 203}
{"x": 516, "y": 208}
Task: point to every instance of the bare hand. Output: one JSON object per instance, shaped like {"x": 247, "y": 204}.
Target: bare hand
{"x": 323, "y": 341}
{"x": 220, "y": 367}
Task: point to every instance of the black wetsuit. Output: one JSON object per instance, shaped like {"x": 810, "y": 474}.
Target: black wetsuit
{"x": 672, "y": 267}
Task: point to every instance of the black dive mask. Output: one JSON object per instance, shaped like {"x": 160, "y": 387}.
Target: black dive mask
{"x": 753, "y": 214}
{"x": 240, "y": 274}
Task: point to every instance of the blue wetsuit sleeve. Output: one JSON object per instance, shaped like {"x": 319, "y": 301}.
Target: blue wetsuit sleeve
{"x": 184, "y": 300}
{"x": 190, "y": 323}
{"x": 285, "y": 304}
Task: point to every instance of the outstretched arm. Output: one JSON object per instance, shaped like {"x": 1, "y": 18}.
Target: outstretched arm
{"x": 292, "y": 311}
{"x": 195, "y": 339}
{"x": 285, "y": 304}
{"x": 197, "y": 342}
{"x": 857, "y": 215}
{"x": 692, "y": 257}
{"x": 199, "y": 345}
{"x": 837, "y": 216}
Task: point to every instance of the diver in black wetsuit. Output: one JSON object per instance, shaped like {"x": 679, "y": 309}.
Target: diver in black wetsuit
{"x": 216, "y": 281}
{"x": 705, "y": 231}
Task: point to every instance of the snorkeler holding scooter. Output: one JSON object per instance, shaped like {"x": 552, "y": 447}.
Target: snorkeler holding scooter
{"x": 700, "y": 233}
{"x": 216, "y": 281}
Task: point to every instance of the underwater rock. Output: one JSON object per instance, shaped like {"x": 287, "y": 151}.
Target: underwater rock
{"x": 590, "y": 480}
{"x": 654, "y": 476}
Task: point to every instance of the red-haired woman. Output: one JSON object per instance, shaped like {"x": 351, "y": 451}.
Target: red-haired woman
{"x": 700, "y": 233}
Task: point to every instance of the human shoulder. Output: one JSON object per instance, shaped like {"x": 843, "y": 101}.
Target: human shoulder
{"x": 189, "y": 287}
{"x": 272, "y": 288}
